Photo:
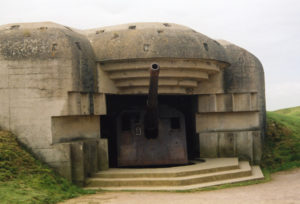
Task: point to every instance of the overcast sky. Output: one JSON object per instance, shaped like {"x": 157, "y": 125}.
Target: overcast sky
{"x": 270, "y": 29}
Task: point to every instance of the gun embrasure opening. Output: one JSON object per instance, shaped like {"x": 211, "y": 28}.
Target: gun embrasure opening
{"x": 155, "y": 66}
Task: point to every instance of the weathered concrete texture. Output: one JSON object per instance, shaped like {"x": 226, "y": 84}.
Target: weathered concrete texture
{"x": 78, "y": 170}
{"x": 209, "y": 144}
{"x": 103, "y": 160}
{"x": 243, "y": 144}
{"x": 86, "y": 103}
{"x": 70, "y": 128}
{"x": 233, "y": 102}
{"x": 87, "y": 157}
{"x": 150, "y": 40}
{"x": 214, "y": 85}
{"x": 39, "y": 64}
{"x": 227, "y": 121}
{"x": 246, "y": 74}
{"x": 61, "y": 159}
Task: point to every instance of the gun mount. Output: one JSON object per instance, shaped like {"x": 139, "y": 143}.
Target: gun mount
{"x": 151, "y": 135}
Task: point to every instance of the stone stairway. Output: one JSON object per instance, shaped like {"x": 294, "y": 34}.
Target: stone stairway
{"x": 197, "y": 175}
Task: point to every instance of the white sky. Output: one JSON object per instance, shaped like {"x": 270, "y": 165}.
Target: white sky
{"x": 270, "y": 29}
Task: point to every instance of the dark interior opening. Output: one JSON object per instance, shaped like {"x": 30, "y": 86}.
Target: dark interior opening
{"x": 117, "y": 103}
{"x": 126, "y": 122}
{"x": 154, "y": 66}
{"x": 175, "y": 123}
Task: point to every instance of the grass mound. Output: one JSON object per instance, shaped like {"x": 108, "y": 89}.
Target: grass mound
{"x": 282, "y": 142}
{"x": 295, "y": 111}
{"x": 23, "y": 179}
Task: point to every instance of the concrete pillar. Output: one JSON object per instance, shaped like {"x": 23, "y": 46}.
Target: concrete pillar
{"x": 103, "y": 162}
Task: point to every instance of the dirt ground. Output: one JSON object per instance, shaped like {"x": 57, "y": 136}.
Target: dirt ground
{"x": 284, "y": 188}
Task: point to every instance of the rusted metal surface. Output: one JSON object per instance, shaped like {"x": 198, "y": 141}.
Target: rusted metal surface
{"x": 151, "y": 116}
{"x": 152, "y": 136}
{"x": 135, "y": 149}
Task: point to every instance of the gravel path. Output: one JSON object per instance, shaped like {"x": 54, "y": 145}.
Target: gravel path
{"x": 284, "y": 188}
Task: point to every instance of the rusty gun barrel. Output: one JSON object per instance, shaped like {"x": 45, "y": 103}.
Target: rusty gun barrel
{"x": 151, "y": 116}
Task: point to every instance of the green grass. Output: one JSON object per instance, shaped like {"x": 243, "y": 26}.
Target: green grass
{"x": 282, "y": 142}
{"x": 295, "y": 111}
{"x": 23, "y": 179}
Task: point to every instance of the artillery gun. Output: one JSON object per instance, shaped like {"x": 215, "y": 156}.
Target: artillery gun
{"x": 151, "y": 135}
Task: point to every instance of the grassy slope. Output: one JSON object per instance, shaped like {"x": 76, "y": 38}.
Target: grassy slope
{"x": 290, "y": 111}
{"x": 282, "y": 142}
{"x": 23, "y": 179}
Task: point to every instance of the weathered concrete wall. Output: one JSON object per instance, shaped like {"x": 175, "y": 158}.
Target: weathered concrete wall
{"x": 214, "y": 85}
{"x": 246, "y": 74}
{"x": 39, "y": 64}
{"x": 231, "y": 118}
{"x": 227, "y": 121}
{"x": 242, "y": 144}
{"x": 103, "y": 160}
{"x": 232, "y": 102}
{"x": 70, "y": 128}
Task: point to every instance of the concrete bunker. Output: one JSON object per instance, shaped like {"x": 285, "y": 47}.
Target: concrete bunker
{"x": 78, "y": 98}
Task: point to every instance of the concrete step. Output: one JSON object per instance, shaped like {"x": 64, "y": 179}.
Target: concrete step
{"x": 243, "y": 171}
{"x": 255, "y": 175}
{"x": 209, "y": 166}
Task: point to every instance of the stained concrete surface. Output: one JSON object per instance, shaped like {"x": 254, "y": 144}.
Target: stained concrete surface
{"x": 284, "y": 188}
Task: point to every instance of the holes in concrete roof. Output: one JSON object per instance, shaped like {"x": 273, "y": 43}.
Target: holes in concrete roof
{"x": 132, "y": 27}
{"x": 205, "y": 46}
{"x": 166, "y": 24}
{"x": 146, "y": 47}
{"x": 217, "y": 42}
{"x": 78, "y": 45}
{"x": 54, "y": 45}
{"x": 99, "y": 31}
{"x": 43, "y": 28}
{"x": 13, "y": 27}
{"x": 160, "y": 31}
{"x": 116, "y": 35}
{"x": 68, "y": 28}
